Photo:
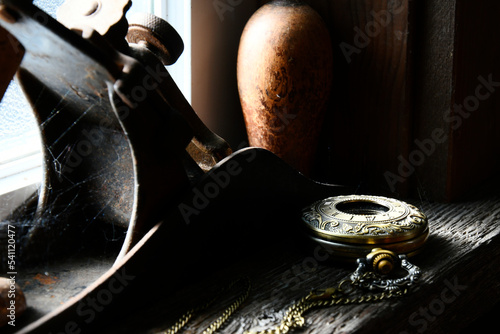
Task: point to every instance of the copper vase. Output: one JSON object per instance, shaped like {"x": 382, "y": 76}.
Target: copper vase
{"x": 284, "y": 79}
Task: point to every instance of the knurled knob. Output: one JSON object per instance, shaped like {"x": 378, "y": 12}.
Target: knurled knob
{"x": 157, "y": 35}
{"x": 383, "y": 264}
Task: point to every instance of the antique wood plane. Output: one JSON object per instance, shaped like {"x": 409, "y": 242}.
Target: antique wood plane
{"x": 138, "y": 198}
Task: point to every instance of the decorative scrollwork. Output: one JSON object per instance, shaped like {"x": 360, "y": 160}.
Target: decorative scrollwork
{"x": 365, "y": 278}
{"x": 364, "y": 217}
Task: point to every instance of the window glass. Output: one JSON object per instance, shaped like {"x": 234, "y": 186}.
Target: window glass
{"x": 17, "y": 123}
{"x": 16, "y": 118}
{"x": 19, "y": 135}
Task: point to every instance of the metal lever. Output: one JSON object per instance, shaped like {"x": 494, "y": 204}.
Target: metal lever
{"x": 149, "y": 32}
{"x": 107, "y": 17}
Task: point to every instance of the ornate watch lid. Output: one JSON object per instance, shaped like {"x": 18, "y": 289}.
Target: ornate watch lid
{"x": 351, "y": 226}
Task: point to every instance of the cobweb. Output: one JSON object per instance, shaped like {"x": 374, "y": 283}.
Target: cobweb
{"x": 50, "y": 226}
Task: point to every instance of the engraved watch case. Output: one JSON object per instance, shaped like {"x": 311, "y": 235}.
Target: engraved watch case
{"x": 351, "y": 226}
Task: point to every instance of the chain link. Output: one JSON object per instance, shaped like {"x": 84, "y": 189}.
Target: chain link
{"x": 229, "y": 311}
{"x": 294, "y": 317}
{"x": 217, "y": 324}
{"x": 349, "y": 291}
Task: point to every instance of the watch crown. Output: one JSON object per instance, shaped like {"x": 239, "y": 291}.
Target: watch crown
{"x": 383, "y": 264}
{"x": 382, "y": 260}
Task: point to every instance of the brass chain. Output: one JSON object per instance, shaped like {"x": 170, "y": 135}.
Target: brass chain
{"x": 214, "y": 326}
{"x": 352, "y": 290}
{"x": 217, "y": 324}
{"x": 294, "y": 316}
{"x": 349, "y": 291}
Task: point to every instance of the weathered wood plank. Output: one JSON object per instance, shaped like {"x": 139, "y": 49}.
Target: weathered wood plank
{"x": 461, "y": 281}
{"x": 475, "y": 142}
{"x": 368, "y": 125}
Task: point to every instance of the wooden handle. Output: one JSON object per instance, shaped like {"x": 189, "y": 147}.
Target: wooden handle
{"x": 284, "y": 79}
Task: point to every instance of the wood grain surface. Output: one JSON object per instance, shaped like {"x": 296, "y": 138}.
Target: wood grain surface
{"x": 460, "y": 282}
{"x": 284, "y": 80}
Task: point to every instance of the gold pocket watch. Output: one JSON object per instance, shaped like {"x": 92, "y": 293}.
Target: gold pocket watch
{"x": 380, "y": 233}
{"x": 350, "y": 226}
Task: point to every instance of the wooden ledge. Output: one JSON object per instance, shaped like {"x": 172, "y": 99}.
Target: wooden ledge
{"x": 461, "y": 281}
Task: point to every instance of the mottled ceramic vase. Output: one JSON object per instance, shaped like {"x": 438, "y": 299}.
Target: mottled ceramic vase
{"x": 284, "y": 80}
